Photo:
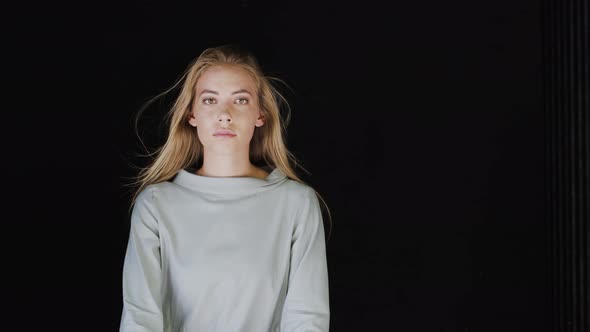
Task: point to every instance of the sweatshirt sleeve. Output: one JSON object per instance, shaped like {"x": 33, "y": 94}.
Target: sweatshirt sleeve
{"x": 307, "y": 302}
{"x": 142, "y": 271}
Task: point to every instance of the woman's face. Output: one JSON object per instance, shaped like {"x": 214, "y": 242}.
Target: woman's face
{"x": 225, "y": 110}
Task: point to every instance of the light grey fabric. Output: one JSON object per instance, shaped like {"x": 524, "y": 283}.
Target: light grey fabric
{"x": 226, "y": 254}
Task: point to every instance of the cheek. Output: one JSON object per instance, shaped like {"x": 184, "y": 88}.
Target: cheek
{"x": 203, "y": 125}
{"x": 198, "y": 114}
{"x": 203, "y": 119}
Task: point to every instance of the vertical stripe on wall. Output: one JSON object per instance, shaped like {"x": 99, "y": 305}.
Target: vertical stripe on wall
{"x": 566, "y": 93}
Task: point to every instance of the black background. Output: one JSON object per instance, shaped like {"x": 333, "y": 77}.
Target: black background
{"x": 420, "y": 122}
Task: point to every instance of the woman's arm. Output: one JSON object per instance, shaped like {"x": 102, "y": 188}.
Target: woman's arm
{"x": 142, "y": 271}
{"x": 307, "y": 306}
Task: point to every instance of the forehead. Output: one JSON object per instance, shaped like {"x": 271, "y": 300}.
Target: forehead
{"x": 225, "y": 77}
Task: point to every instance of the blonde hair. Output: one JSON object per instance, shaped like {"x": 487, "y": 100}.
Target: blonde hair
{"x": 183, "y": 147}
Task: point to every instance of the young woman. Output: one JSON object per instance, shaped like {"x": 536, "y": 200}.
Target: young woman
{"x": 224, "y": 236}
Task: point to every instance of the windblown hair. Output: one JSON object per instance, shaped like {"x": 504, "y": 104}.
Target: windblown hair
{"x": 183, "y": 147}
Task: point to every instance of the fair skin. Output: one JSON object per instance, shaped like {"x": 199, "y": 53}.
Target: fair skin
{"x": 225, "y": 113}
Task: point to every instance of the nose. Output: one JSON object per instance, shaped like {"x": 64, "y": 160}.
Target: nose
{"x": 224, "y": 117}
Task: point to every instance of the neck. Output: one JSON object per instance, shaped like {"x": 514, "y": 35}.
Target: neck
{"x": 232, "y": 164}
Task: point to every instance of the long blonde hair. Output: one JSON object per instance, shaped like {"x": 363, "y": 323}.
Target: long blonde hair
{"x": 183, "y": 147}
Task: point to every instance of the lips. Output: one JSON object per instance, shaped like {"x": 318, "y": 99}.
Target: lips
{"x": 224, "y": 132}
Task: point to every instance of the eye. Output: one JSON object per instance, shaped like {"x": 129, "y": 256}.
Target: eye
{"x": 208, "y": 101}
{"x": 242, "y": 101}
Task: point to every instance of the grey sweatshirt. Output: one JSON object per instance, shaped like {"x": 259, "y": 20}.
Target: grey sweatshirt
{"x": 226, "y": 254}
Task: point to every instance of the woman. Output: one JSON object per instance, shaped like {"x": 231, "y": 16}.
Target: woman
{"x": 224, "y": 236}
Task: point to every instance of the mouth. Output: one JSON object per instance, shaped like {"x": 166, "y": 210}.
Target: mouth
{"x": 224, "y": 133}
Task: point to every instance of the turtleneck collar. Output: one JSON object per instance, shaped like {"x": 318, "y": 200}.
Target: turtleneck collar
{"x": 229, "y": 185}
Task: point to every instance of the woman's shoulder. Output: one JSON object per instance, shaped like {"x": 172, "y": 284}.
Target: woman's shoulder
{"x": 300, "y": 190}
{"x": 150, "y": 191}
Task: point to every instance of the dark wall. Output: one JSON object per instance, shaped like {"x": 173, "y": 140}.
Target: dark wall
{"x": 566, "y": 93}
{"x": 420, "y": 122}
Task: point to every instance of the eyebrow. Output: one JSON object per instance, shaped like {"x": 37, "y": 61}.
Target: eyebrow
{"x": 217, "y": 93}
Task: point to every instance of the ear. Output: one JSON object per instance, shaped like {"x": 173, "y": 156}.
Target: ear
{"x": 192, "y": 120}
{"x": 260, "y": 121}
